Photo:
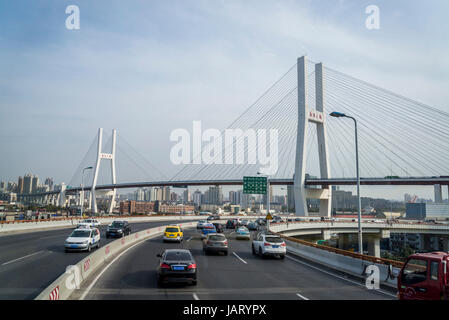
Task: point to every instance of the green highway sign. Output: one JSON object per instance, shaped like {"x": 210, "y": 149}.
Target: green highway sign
{"x": 255, "y": 185}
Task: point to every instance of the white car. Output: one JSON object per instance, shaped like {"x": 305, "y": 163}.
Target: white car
{"x": 88, "y": 223}
{"x": 200, "y": 224}
{"x": 83, "y": 240}
{"x": 267, "y": 244}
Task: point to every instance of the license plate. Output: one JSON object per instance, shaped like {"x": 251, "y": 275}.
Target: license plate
{"x": 275, "y": 246}
{"x": 112, "y": 234}
{"x": 73, "y": 246}
{"x": 178, "y": 268}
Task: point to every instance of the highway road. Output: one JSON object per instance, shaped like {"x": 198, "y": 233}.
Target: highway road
{"x": 29, "y": 262}
{"x": 240, "y": 275}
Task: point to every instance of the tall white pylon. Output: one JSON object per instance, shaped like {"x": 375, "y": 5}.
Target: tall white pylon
{"x": 106, "y": 156}
{"x": 306, "y": 115}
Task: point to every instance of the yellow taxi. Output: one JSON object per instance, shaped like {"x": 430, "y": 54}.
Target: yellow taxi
{"x": 173, "y": 233}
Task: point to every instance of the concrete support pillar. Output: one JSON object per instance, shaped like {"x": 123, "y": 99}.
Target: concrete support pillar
{"x": 445, "y": 242}
{"x": 426, "y": 243}
{"x": 343, "y": 241}
{"x": 374, "y": 246}
{"x": 325, "y": 234}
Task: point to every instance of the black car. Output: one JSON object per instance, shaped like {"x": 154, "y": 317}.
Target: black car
{"x": 118, "y": 229}
{"x": 176, "y": 265}
{"x": 218, "y": 227}
{"x": 210, "y": 218}
{"x": 231, "y": 224}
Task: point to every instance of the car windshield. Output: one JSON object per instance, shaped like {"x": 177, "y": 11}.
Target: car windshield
{"x": 178, "y": 256}
{"x": 171, "y": 230}
{"x": 80, "y": 234}
{"x": 217, "y": 237}
{"x": 117, "y": 224}
{"x": 273, "y": 239}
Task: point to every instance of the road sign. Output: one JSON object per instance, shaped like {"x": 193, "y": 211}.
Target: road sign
{"x": 255, "y": 185}
{"x": 269, "y": 217}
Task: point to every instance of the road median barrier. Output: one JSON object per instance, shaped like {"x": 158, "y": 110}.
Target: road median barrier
{"x": 345, "y": 261}
{"x": 65, "y": 285}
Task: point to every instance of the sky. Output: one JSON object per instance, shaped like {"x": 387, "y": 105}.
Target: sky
{"x": 149, "y": 67}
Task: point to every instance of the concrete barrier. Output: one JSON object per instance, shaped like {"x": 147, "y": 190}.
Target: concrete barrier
{"x": 37, "y": 225}
{"x": 350, "y": 265}
{"x": 63, "y": 287}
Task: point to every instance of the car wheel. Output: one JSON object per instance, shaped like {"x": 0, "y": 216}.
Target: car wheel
{"x": 89, "y": 248}
{"x": 226, "y": 253}
{"x": 159, "y": 282}
{"x": 194, "y": 282}
{"x": 282, "y": 256}
{"x": 254, "y": 250}
{"x": 260, "y": 252}
{"x": 98, "y": 244}
{"x": 107, "y": 237}
{"x": 65, "y": 250}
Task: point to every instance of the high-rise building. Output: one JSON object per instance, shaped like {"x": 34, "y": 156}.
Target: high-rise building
{"x": 49, "y": 183}
{"x": 34, "y": 184}
{"x": 166, "y": 193}
{"x": 197, "y": 197}
{"x": 139, "y": 195}
{"x": 3, "y": 186}
{"x": 214, "y": 195}
{"x": 20, "y": 185}
{"x": 186, "y": 197}
{"x": 27, "y": 184}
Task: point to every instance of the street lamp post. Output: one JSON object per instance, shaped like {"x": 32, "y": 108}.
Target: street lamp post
{"x": 82, "y": 188}
{"x": 359, "y": 203}
{"x": 268, "y": 201}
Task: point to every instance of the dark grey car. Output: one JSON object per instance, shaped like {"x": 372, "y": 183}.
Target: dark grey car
{"x": 215, "y": 242}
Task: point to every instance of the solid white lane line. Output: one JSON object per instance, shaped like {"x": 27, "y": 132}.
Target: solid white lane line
{"x": 104, "y": 270}
{"x": 195, "y": 297}
{"x": 189, "y": 239}
{"x": 337, "y": 276}
{"x": 29, "y": 255}
{"x": 235, "y": 254}
{"x": 302, "y": 297}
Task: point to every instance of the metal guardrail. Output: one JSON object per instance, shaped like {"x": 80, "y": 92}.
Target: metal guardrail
{"x": 394, "y": 263}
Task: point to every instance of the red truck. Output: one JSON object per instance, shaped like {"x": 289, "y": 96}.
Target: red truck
{"x": 424, "y": 276}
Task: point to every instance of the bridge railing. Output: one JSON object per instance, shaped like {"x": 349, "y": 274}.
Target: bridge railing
{"x": 394, "y": 263}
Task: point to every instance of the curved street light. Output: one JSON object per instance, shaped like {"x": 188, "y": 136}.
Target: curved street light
{"x": 336, "y": 114}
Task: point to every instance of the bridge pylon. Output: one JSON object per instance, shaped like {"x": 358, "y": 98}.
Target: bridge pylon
{"x": 104, "y": 156}
{"x": 317, "y": 116}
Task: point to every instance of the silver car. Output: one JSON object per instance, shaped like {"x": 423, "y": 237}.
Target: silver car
{"x": 215, "y": 242}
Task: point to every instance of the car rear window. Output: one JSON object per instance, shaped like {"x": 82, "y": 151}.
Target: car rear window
{"x": 217, "y": 237}
{"x": 80, "y": 234}
{"x": 118, "y": 224}
{"x": 179, "y": 256}
{"x": 171, "y": 230}
{"x": 274, "y": 239}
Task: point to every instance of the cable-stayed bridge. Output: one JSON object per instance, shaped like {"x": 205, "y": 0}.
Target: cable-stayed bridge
{"x": 401, "y": 142}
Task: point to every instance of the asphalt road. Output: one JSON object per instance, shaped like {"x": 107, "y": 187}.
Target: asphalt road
{"x": 240, "y": 275}
{"x": 29, "y": 262}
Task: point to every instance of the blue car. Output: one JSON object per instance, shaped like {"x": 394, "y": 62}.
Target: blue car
{"x": 207, "y": 228}
{"x": 242, "y": 233}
